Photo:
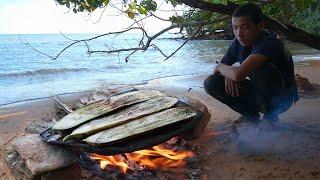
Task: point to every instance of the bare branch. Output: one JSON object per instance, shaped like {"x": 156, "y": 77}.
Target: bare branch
{"x": 117, "y": 50}
{"x": 85, "y": 40}
{"x": 137, "y": 21}
{"x": 65, "y": 36}
{"x": 100, "y": 17}
{"x": 157, "y": 48}
{"x": 31, "y": 47}
{"x": 159, "y": 17}
{"x": 127, "y": 58}
{"x": 194, "y": 34}
{"x": 142, "y": 46}
{"x": 189, "y": 38}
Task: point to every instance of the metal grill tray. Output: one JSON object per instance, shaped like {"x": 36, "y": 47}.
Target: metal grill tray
{"x": 141, "y": 141}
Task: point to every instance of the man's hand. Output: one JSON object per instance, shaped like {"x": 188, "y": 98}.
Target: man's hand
{"x": 231, "y": 87}
{"x": 216, "y": 70}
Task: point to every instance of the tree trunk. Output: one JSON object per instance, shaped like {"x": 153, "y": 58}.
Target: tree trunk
{"x": 290, "y": 32}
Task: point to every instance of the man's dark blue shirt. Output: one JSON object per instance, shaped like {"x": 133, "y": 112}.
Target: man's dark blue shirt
{"x": 276, "y": 52}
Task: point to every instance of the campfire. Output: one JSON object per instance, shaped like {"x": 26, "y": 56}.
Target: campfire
{"x": 158, "y": 157}
{"x": 142, "y": 137}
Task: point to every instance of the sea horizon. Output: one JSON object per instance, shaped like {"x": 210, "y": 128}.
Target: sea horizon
{"x": 27, "y": 74}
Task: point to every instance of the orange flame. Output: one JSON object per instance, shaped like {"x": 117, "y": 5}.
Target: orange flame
{"x": 215, "y": 133}
{"x": 157, "y": 157}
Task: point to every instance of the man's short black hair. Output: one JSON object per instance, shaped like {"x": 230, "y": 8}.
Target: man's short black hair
{"x": 250, "y": 10}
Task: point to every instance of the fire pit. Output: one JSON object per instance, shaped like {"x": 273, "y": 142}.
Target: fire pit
{"x": 146, "y": 153}
{"x": 158, "y": 161}
{"x": 160, "y": 152}
{"x": 146, "y": 140}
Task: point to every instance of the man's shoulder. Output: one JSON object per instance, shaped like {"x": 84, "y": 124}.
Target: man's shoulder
{"x": 269, "y": 39}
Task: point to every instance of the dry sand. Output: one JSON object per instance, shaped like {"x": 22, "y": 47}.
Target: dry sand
{"x": 290, "y": 152}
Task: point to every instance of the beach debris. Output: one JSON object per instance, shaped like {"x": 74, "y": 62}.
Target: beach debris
{"x": 104, "y": 93}
{"x": 141, "y": 125}
{"x": 94, "y": 110}
{"x": 29, "y": 155}
{"x": 62, "y": 105}
{"x": 38, "y": 127}
{"x": 125, "y": 115}
{"x": 303, "y": 84}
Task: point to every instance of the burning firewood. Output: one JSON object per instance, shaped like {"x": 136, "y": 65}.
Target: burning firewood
{"x": 157, "y": 157}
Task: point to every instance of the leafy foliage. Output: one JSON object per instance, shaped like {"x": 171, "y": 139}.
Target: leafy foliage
{"x": 132, "y": 7}
{"x": 308, "y": 19}
{"x": 304, "y": 14}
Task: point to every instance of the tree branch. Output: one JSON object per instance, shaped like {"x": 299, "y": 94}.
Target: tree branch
{"x": 189, "y": 38}
{"x": 292, "y": 33}
{"x": 89, "y": 39}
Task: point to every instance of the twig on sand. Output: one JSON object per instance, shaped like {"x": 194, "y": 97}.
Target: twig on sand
{"x": 62, "y": 105}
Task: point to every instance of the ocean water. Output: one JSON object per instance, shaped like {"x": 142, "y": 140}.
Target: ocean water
{"x": 27, "y": 74}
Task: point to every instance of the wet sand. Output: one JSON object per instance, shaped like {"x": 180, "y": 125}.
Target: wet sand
{"x": 290, "y": 152}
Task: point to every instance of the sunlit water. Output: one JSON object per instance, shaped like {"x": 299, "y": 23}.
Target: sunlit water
{"x": 26, "y": 74}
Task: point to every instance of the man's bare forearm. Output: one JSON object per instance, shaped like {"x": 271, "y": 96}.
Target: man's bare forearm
{"x": 230, "y": 72}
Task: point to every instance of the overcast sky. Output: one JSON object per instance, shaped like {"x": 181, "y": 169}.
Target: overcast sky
{"x": 45, "y": 16}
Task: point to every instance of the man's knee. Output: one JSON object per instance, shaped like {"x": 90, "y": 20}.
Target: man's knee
{"x": 213, "y": 84}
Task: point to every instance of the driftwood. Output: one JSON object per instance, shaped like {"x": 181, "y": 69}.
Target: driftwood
{"x": 62, "y": 105}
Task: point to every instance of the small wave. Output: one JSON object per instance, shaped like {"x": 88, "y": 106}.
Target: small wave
{"x": 113, "y": 67}
{"x": 42, "y": 72}
{"x": 299, "y": 58}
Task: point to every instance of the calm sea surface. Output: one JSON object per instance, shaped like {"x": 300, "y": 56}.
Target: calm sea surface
{"x": 27, "y": 74}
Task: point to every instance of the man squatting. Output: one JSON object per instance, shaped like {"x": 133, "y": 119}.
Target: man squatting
{"x": 264, "y": 81}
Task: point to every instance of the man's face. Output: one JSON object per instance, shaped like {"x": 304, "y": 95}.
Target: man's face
{"x": 245, "y": 30}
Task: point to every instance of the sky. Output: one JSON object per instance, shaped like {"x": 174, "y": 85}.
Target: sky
{"x": 46, "y": 17}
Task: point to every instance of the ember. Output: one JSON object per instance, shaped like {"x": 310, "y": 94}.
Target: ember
{"x": 156, "y": 158}
{"x": 215, "y": 133}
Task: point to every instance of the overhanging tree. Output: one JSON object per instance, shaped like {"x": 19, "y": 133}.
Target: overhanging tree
{"x": 276, "y": 21}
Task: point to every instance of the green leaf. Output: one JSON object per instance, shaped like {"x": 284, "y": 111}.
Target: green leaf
{"x": 105, "y": 2}
{"x": 150, "y": 5}
{"x": 132, "y": 6}
{"x": 142, "y": 10}
{"x": 130, "y": 13}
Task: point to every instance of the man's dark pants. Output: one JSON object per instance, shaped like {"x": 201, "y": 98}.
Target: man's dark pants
{"x": 264, "y": 93}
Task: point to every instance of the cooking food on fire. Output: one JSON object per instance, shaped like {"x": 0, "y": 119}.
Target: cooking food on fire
{"x": 123, "y": 116}
{"x": 94, "y": 110}
{"x": 141, "y": 125}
